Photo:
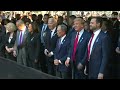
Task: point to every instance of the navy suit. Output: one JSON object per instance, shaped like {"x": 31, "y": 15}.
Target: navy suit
{"x": 99, "y": 56}
{"x": 61, "y": 54}
{"x": 50, "y": 44}
{"x": 69, "y": 33}
{"x": 80, "y": 52}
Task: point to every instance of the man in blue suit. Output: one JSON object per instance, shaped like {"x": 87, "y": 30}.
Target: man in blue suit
{"x": 78, "y": 47}
{"x": 61, "y": 52}
{"x": 98, "y": 51}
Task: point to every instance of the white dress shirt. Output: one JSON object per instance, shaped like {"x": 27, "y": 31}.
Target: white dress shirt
{"x": 96, "y": 33}
{"x": 52, "y": 33}
{"x": 10, "y": 38}
{"x": 62, "y": 38}
{"x": 80, "y": 34}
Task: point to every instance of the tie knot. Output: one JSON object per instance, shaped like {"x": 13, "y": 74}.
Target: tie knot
{"x": 77, "y": 33}
{"x": 92, "y": 34}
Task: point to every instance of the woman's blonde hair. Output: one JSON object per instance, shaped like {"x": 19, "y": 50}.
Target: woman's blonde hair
{"x": 11, "y": 27}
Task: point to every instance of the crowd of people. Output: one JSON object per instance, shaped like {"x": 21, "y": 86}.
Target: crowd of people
{"x": 77, "y": 49}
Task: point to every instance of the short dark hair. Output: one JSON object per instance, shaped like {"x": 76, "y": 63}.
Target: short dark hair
{"x": 46, "y": 15}
{"x": 98, "y": 20}
{"x": 35, "y": 27}
{"x": 115, "y": 13}
{"x": 72, "y": 17}
{"x": 60, "y": 17}
{"x": 40, "y": 16}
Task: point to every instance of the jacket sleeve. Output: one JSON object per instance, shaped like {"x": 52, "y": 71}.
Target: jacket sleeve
{"x": 105, "y": 53}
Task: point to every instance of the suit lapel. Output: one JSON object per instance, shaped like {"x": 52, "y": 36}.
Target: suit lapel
{"x": 62, "y": 43}
{"x": 81, "y": 39}
{"x": 25, "y": 35}
{"x": 96, "y": 41}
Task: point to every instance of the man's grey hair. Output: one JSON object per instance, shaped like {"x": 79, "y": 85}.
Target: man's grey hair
{"x": 63, "y": 27}
{"x": 20, "y": 22}
{"x": 10, "y": 27}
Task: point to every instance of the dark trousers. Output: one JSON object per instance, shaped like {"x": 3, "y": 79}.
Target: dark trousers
{"x": 31, "y": 63}
{"x": 77, "y": 74}
{"x": 42, "y": 60}
{"x": 50, "y": 66}
{"x": 63, "y": 75}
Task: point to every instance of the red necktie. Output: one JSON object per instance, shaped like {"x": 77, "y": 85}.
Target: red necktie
{"x": 75, "y": 47}
{"x": 89, "y": 45}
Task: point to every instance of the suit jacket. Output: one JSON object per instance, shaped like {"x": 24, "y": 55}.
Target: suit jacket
{"x": 99, "y": 56}
{"x": 119, "y": 41}
{"x": 69, "y": 33}
{"x": 50, "y": 43}
{"x": 33, "y": 46}
{"x": 16, "y": 46}
{"x": 11, "y": 44}
{"x": 61, "y": 53}
{"x": 45, "y": 32}
{"x": 82, "y": 46}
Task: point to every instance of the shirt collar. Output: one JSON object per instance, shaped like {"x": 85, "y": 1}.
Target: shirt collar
{"x": 97, "y": 32}
{"x": 81, "y": 31}
{"x": 62, "y": 38}
{"x": 53, "y": 30}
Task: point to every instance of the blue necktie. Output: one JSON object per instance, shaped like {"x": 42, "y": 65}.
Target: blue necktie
{"x": 59, "y": 43}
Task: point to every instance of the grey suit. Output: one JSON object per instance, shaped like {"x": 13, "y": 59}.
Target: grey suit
{"x": 20, "y": 49}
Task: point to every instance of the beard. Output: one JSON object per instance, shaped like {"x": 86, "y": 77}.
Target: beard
{"x": 92, "y": 28}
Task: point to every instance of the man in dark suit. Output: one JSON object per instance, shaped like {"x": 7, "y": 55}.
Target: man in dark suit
{"x": 43, "y": 30}
{"x": 50, "y": 44}
{"x": 19, "y": 47}
{"x": 78, "y": 47}
{"x": 98, "y": 51}
{"x": 61, "y": 52}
